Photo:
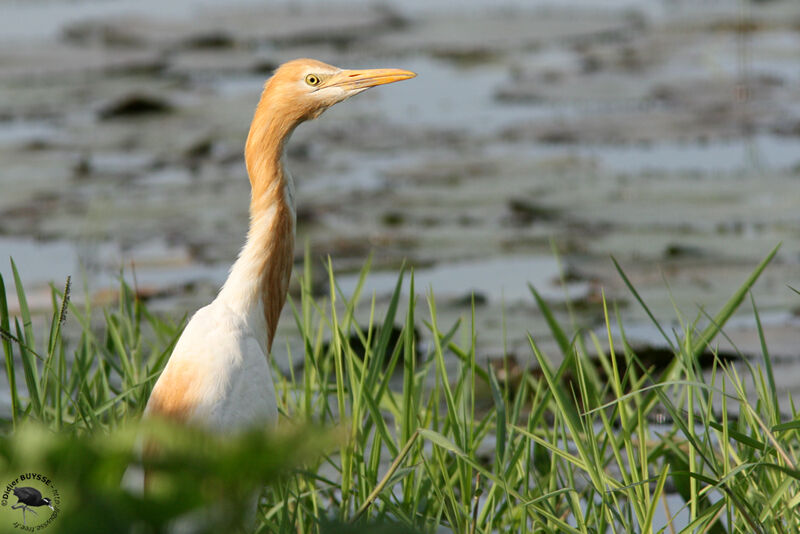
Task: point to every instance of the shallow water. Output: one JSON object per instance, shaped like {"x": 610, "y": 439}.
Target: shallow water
{"x": 496, "y": 280}
{"x": 591, "y": 130}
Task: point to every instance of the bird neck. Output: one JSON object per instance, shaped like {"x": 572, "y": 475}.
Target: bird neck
{"x": 259, "y": 280}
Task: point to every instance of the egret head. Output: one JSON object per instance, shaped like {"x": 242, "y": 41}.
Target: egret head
{"x": 304, "y": 88}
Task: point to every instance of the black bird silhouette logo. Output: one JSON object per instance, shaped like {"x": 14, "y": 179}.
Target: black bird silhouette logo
{"x": 27, "y": 497}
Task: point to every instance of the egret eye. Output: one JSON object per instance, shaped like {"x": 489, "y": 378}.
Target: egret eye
{"x": 312, "y": 80}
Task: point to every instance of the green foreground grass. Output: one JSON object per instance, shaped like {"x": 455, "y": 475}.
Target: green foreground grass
{"x": 397, "y": 443}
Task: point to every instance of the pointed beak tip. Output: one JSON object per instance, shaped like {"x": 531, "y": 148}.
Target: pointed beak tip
{"x": 401, "y": 75}
{"x": 391, "y": 76}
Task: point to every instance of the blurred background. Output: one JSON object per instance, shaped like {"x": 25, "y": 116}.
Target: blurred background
{"x": 539, "y": 139}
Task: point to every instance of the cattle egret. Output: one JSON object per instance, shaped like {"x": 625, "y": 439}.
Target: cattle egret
{"x": 218, "y": 375}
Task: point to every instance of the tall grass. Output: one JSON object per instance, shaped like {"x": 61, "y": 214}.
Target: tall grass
{"x": 382, "y": 437}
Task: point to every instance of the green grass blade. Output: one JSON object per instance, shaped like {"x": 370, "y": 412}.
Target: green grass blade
{"x": 8, "y": 351}
{"x": 738, "y": 436}
{"x": 31, "y": 369}
{"x": 500, "y": 410}
{"x": 776, "y": 409}
{"x": 710, "y": 332}
{"x": 639, "y": 299}
{"x": 555, "y": 329}
{"x": 24, "y": 311}
{"x": 382, "y": 346}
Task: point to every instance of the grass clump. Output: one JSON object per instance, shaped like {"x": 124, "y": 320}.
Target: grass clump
{"x": 387, "y": 437}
